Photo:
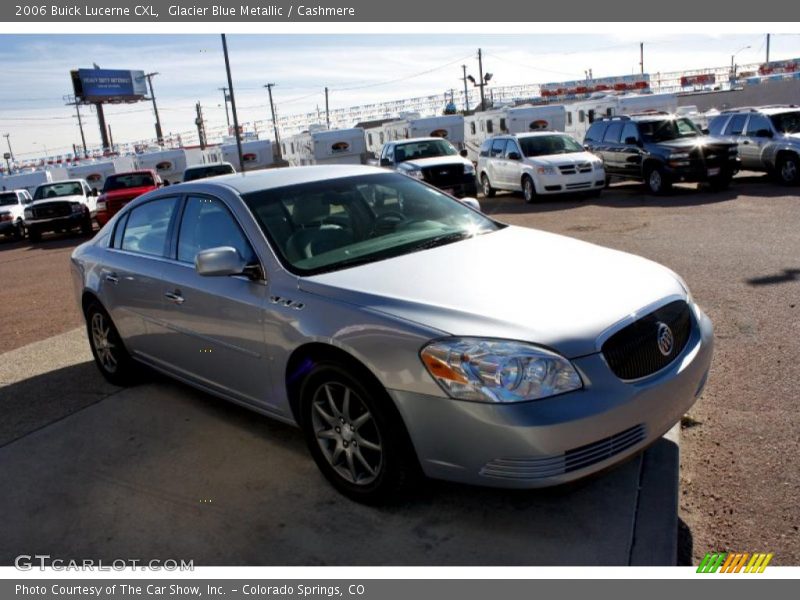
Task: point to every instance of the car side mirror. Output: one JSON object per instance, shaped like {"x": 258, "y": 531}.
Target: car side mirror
{"x": 219, "y": 262}
{"x": 514, "y": 156}
{"x": 472, "y": 203}
{"x": 764, "y": 133}
{"x": 464, "y": 153}
{"x": 385, "y": 162}
{"x": 705, "y": 131}
{"x": 95, "y": 192}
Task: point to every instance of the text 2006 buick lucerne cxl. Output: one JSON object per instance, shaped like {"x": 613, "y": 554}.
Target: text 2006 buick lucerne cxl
{"x": 405, "y": 332}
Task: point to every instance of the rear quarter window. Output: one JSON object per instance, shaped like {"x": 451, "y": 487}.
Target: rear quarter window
{"x": 596, "y": 131}
{"x": 717, "y": 124}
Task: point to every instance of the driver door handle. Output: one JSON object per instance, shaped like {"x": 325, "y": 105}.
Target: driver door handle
{"x": 112, "y": 277}
{"x": 175, "y": 297}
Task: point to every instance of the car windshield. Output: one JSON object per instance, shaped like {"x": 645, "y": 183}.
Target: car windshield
{"x": 334, "y": 224}
{"x": 788, "y": 122}
{"x": 56, "y": 190}
{"x": 665, "y": 130}
{"x": 8, "y": 199}
{"x": 544, "y": 145}
{"x": 209, "y": 171}
{"x": 425, "y": 149}
{"x": 128, "y": 180}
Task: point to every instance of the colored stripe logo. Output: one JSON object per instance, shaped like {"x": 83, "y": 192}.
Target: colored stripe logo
{"x": 734, "y": 562}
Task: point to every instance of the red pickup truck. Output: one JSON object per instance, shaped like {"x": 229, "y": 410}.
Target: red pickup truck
{"x": 121, "y": 188}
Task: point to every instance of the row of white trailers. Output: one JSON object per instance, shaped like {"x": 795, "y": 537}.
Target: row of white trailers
{"x": 356, "y": 145}
{"x": 169, "y": 164}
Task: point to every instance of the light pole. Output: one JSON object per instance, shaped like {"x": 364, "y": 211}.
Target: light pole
{"x": 159, "y": 135}
{"x": 8, "y": 141}
{"x": 269, "y": 87}
{"x": 733, "y": 58}
{"x": 233, "y": 103}
{"x": 225, "y": 95}
{"x": 482, "y": 81}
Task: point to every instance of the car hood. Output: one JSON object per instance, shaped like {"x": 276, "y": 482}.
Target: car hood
{"x": 515, "y": 283}
{"x": 436, "y": 161}
{"x": 556, "y": 160}
{"x": 127, "y": 193}
{"x": 44, "y": 201}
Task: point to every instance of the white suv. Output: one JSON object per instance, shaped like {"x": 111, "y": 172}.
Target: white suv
{"x": 538, "y": 163}
{"x": 12, "y": 209}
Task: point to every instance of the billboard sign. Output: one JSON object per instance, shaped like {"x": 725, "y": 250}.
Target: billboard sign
{"x": 109, "y": 85}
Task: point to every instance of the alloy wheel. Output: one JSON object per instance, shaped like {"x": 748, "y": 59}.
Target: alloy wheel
{"x": 527, "y": 189}
{"x": 654, "y": 181}
{"x": 789, "y": 170}
{"x": 347, "y": 433}
{"x": 101, "y": 331}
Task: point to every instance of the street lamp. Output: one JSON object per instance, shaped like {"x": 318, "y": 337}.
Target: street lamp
{"x": 733, "y": 58}
{"x": 482, "y": 81}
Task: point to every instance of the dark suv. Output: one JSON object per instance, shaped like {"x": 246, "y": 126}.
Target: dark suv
{"x": 660, "y": 149}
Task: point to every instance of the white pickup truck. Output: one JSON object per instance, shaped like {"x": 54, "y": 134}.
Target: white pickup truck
{"x": 12, "y": 209}
{"x": 61, "y": 206}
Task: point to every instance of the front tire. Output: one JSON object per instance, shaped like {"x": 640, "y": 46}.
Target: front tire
{"x": 528, "y": 189}
{"x": 86, "y": 226}
{"x": 355, "y": 435}
{"x": 110, "y": 355}
{"x": 789, "y": 170}
{"x": 488, "y": 190}
{"x": 34, "y": 234}
{"x": 657, "y": 181}
{"x": 19, "y": 231}
{"x": 721, "y": 183}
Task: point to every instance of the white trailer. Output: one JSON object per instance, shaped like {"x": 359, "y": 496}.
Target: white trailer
{"x": 510, "y": 119}
{"x": 170, "y": 164}
{"x": 449, "y": 127}
{"x": 256, "y": 154}
{"x": 580, "y": 115}
{"x": 95, "y": 172}
{"x": 32, "y": 178}
{"x": 319, "y": 146}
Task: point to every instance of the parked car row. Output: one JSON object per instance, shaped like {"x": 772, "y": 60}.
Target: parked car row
{"x": 72, "y": 204}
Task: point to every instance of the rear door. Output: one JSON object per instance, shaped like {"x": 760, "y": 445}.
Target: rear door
{"x": 613, "y": 151}
{"x": 630, "y": 155}
{"x": 215, "y": 324}
{"x": 512, "y": 169}
{"x": 496, "y": 163}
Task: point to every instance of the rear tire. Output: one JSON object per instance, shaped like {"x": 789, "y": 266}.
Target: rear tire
{"x": 19, "y": 231}
{"x": 488, "y": 190}
{"x": 34, "y": 234}
{"x": 528, "y": 189}
{"x": 788, "y": 170}
{"x": 86, "y": 226}
{"x": 356, "y": 435}
{"x": 110, "y": 355}
{"x": 656, "y": 180}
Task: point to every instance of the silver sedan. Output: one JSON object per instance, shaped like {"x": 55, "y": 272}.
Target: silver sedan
{"x": 405, "y": 332}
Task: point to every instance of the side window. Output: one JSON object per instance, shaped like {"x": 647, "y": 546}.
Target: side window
{"x": 581, "y": 116}
{"x": 485, "y": 146}
{"x": 207, "y": 223}
{"x": 147, "y": 227}
{"x": 472, "y": 127}
{"x": 381, "y": 137}
{"x": 498, "y": 147}
{"x": 489, "y": 126}
{"x": 629, "y": 131}
{"x": 613, "y": 132}
{"x": 512, "y": 147}
{"x": 757, "y": 123}
{"x": 596, "y": 131}
{"x": 736, "y": 125}
{"x": 502, "y": 125}
{"x": 717, "y": 125}
{"x": 569, "y": 117}
{"x": 369, "y": 137}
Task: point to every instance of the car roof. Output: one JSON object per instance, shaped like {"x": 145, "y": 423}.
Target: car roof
{"x": 418, "y": 139}
{"x": 264, "y": 179}
{"x": 207, "y": 165}
{"x": 544, "y": 132}
{"x": 78, "y": 180}
{"x": 134, "y": 172}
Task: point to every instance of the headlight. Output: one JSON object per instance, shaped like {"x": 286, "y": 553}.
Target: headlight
{"x": 498, "y": 371}
{"x": 546, "y": 170}
{"x": 101, "y": 205}
{"x": 415, "y": 173}
{"x": 598, "y": 166}
{"x": 678, "y": 155}
{"x": 469, "y": 169}
{"x": 28, "y": 213}
{"x": 77, "y": 207}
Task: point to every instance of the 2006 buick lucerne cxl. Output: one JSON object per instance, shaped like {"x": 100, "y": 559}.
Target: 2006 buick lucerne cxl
{"x": 405, "y": 332}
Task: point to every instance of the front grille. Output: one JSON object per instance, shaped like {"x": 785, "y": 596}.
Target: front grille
{"x": 711, "y": 156}
{"x": 52, "y": 210}
{"x": 633, "y": 352}
{"x": 571, "y": 460}
{"x": 572, "y": 169}
{"x": 579, "y": 186}
{"x": 445, "y": 175}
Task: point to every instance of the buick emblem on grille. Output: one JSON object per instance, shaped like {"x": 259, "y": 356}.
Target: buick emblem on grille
{"x": 665, "y": 339}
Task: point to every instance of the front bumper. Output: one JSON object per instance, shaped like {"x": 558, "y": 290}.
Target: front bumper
{"x": 560, "y": 439}
{"x": 698, "y": 171}
{"x": 464, "y": 189}
{"x": 66, "y": 222}
{"x": 569, "y": 184}
{"x": 7, "y": 227}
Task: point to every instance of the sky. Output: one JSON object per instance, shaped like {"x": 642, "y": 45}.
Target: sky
{"x": 358, "y": 69}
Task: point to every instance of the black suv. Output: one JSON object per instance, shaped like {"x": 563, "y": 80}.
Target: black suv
{"x": 660, "y": 149}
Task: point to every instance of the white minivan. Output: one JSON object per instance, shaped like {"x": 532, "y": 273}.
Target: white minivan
{"x": 537, "y": 164}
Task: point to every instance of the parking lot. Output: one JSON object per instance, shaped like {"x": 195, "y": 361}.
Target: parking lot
{"x": 740, "y": 254}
